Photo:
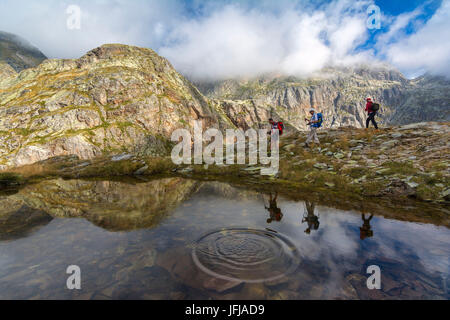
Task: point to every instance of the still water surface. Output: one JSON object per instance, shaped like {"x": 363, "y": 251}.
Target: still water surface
{"x": 182, "y": 239}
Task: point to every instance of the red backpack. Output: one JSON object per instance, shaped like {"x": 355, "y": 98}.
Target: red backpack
{"x": 280, "y": 127}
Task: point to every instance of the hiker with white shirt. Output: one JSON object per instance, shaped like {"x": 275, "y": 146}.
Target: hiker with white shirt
{"x": 314, "y": 123}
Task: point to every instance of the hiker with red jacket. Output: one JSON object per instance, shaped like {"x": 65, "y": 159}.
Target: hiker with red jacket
{"x": 276, "y": 126}
{"x": 276, "y": 130}
{"x": 370, "y": 109}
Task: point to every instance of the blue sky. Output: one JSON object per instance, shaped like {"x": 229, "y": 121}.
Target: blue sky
{"x": 232, "y": 38}
{"x": 395, "y": 8}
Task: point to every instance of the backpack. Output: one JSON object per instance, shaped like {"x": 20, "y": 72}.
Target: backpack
{"x": 320, "y": 118}
{"x": 280, "y": 127}
{"x": 375, "y": 107}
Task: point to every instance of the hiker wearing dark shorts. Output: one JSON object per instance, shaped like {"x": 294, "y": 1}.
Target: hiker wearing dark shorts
{"x": 372, "y": 113}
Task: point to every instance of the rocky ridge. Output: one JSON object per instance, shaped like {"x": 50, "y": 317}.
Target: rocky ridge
{"x": 122, "y": 99}
{"x": 18, "y": 53}
{"x": 338, "y": 93}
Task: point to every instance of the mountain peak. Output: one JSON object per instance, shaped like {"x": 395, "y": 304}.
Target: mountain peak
{"x": 114, "y": 99}
{"x": 18, "y": 52}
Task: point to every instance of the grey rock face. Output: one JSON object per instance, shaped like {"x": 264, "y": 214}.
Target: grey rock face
{"x": 339, "y": 93}
{"x": 114, "y": 99}
{"x": 18, "y": 53}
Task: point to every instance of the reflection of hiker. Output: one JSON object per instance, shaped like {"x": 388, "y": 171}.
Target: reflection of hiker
{"x": 371, "y": 109}
{"x": 315, "y": 122}
{"x": 366, "y": 230}
{"x": 274, "y": 211}
{"x": 310, "y": 218}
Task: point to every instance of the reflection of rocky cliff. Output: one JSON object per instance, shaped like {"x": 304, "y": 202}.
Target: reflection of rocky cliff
{"x": 226, "y": 191}
{"x": 18, "y": 220}
{"x": 114, "y": 206}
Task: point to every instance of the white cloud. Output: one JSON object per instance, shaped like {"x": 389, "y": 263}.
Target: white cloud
{"x": 239, "y": 42}
{"x": 43, "y": 23}
{"x": 396, "y": 27}
{"x": 426, "y": 50}
{"x": 227, "y": 38}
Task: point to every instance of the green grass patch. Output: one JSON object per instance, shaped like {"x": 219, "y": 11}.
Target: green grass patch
{"x": 403, "y": 168}
{"x": 356, "y": 172}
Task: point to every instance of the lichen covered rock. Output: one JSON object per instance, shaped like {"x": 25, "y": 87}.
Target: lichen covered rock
{"x": 116, "y": 98}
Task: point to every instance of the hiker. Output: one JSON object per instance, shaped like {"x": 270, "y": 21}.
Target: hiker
{"x": 276, "y": 130}
{"x": 366, "y": 230}
{"x": 315, "y": 122}
{"x": 276, "y": 126}
{"x": 372, "y": 111}
{"x": 274, "y": 211}
{"x": 310, "y": 217}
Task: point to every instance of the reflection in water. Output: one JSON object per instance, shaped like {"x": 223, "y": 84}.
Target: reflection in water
{"x": 22, "y": 222}
{"x": 310, "y": 218}
{"x": 245, "y": 255}
{"x": 111, "y": 205}
{"x": 366, "y": 230}
{"x": 160, "y": 252}
{"x": 275, "y": 213}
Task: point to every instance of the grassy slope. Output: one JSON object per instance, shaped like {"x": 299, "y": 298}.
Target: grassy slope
{"x": 351, "y": 165}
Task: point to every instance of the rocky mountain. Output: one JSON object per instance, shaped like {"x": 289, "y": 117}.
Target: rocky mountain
{"x": 18, "y": 52}
{"x": 6, "y": 70}
{"x": 114, "y": 99}
{"x": 122, "y": 99}
{"x": 339, "y": 93}
{"x": 426, "y": 98}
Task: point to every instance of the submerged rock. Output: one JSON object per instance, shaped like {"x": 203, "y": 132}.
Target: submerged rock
{"x": 178, "y": 262}
{"x": 19, "y": 223}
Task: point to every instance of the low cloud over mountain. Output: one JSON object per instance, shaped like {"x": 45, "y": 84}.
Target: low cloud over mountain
{"x": 224, "y": 39}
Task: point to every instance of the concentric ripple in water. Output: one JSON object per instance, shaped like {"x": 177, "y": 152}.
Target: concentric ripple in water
{"x": 245, "y": 255}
